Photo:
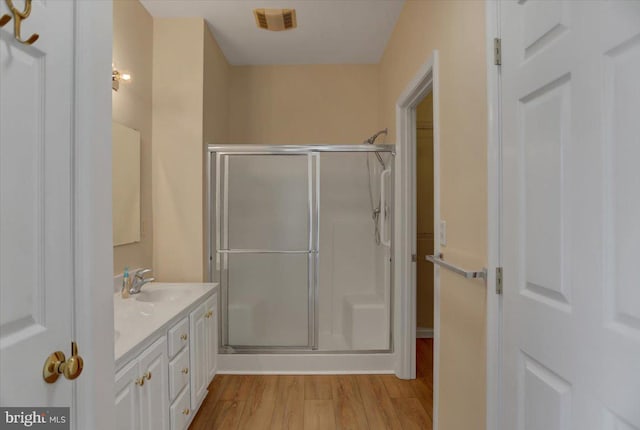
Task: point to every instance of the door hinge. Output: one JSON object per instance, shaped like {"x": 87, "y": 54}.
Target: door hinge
{"x": 497, "y": 51}
{"x": 498, "y": 280}
{"x": 414, "y": 258}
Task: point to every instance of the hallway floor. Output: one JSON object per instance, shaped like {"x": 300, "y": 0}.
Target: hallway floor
{"x": 322, "y": 402}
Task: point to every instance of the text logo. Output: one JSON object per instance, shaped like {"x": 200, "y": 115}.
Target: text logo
{"x": 34, "y": 418}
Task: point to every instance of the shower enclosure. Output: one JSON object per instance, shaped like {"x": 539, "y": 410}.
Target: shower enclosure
{"x": 300, "y": 240}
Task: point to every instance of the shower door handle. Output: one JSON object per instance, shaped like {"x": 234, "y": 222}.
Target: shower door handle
{"x": 383, "y": 212}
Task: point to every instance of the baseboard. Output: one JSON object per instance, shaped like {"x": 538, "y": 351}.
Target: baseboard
{"x": 424, "y": 333}
{"x": 306, "y": 364}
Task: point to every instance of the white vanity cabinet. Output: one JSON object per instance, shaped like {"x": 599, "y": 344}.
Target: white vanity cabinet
{"x": 180, "y": 370}
{"x": 142, "y": 391}
{"x": 211, "y": 334}
{"x": 161, "y": 387}
{"x": 204, "y": 348}
{"x": 198, "y": 323}
{"x": 127, "y": 416}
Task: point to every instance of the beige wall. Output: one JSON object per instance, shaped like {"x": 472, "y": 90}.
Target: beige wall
{"x": 178, "y": 46}
{"x": 456, "y": 30}
{"x": 190, "y": 109}
{"x": 303, "y": 104}
{"x": 217, "y": 75}
{"x": 131, "y": 106}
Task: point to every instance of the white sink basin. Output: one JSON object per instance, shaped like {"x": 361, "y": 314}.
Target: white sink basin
{"x": 156, "y": 296}
{"x": 146, "y": 309}
{"x": 138, "y": 317}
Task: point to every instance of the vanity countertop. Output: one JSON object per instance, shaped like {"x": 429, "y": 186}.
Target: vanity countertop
{"x": 140, "y": 317}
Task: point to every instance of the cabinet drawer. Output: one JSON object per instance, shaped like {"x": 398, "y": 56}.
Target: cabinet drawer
{"x": 179, "y": 373}
{"x": 178, "y": 337}
{"x": 181, "y": 411}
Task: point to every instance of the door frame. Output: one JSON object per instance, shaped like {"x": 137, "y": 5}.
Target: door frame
{"x": 93, "y": 392}
{"x": 494, "y": 220}
{"x": 425, "y": 81}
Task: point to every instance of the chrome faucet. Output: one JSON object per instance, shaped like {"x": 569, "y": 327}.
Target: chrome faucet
{"x": 139, "y": 281}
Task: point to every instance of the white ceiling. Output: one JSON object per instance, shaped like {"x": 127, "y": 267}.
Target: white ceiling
{"x": 329, "y": 31}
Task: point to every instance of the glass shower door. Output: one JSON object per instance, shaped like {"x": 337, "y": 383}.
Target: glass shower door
{"x": 267, "y": 249}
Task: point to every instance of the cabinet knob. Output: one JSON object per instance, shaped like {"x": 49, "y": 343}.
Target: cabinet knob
{"x": 184, "y": 336}
{"x": 185, "y": 370}
{"x": 208, "y": 314}
{"x": 140, "y": 382}
{"x": 186, "y": 411}
{"x": 147, "y": 375}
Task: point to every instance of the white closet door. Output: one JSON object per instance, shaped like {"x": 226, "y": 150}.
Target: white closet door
{"x": 571, "y": 206}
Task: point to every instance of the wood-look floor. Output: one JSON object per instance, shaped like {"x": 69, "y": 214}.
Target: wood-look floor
{"x": 310, "y": 402}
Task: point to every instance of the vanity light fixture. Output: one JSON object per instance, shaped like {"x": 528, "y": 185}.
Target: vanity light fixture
{"x": 116, "y": 77}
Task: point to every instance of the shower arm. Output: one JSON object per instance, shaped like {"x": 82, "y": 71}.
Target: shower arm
{"x": 372, "y": 140}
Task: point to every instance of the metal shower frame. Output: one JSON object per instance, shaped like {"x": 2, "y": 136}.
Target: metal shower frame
{"x": 213, "y": 232}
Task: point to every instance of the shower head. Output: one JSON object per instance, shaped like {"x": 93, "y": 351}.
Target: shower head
{"x": 373, "y": 138}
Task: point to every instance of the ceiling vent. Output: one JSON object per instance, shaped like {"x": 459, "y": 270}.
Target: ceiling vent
{"x": 275, "y": 19}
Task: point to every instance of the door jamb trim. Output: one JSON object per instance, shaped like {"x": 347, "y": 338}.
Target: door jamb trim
{"x": 93, "y": 393}
{"x": 494, "y": 220}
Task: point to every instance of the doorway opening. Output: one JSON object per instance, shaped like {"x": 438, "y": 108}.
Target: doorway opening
{"x": 424, "y": 241}
{"x": 423, "y": 87}
{"x": 425, "y": 237}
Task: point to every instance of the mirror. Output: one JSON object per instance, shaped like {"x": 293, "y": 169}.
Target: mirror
{"x": 126, "y": 184}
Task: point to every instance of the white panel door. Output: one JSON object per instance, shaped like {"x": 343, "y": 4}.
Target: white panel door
{"x": 211, "y": 306}
{"x": 571, "y": 214}
{"x": 198, "y": 354}
{"x": 127, "y": 398}
{"x": 36, "y": 165}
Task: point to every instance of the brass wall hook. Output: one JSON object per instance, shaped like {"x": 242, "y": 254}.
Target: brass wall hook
{"x": 18, "y": 17}
{"x": 4, "y": 20}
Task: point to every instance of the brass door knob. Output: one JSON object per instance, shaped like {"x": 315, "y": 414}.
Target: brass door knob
{"x": 147, "y": 375}
{"x": 186, "y": 411}
{"x": 185, "y": 370}
{"x": 51, "y": 371}
{"x": 56, "y": 365}
{"x": 140, "y": 381}
{"x": 184, "y": 336}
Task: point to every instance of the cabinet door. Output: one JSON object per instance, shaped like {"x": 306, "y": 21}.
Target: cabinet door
{"x": 154, "y": 405}
{"x": 127, "y": 395}
{"x": 212, "y": 336}
{"x": 198, "y": 347}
